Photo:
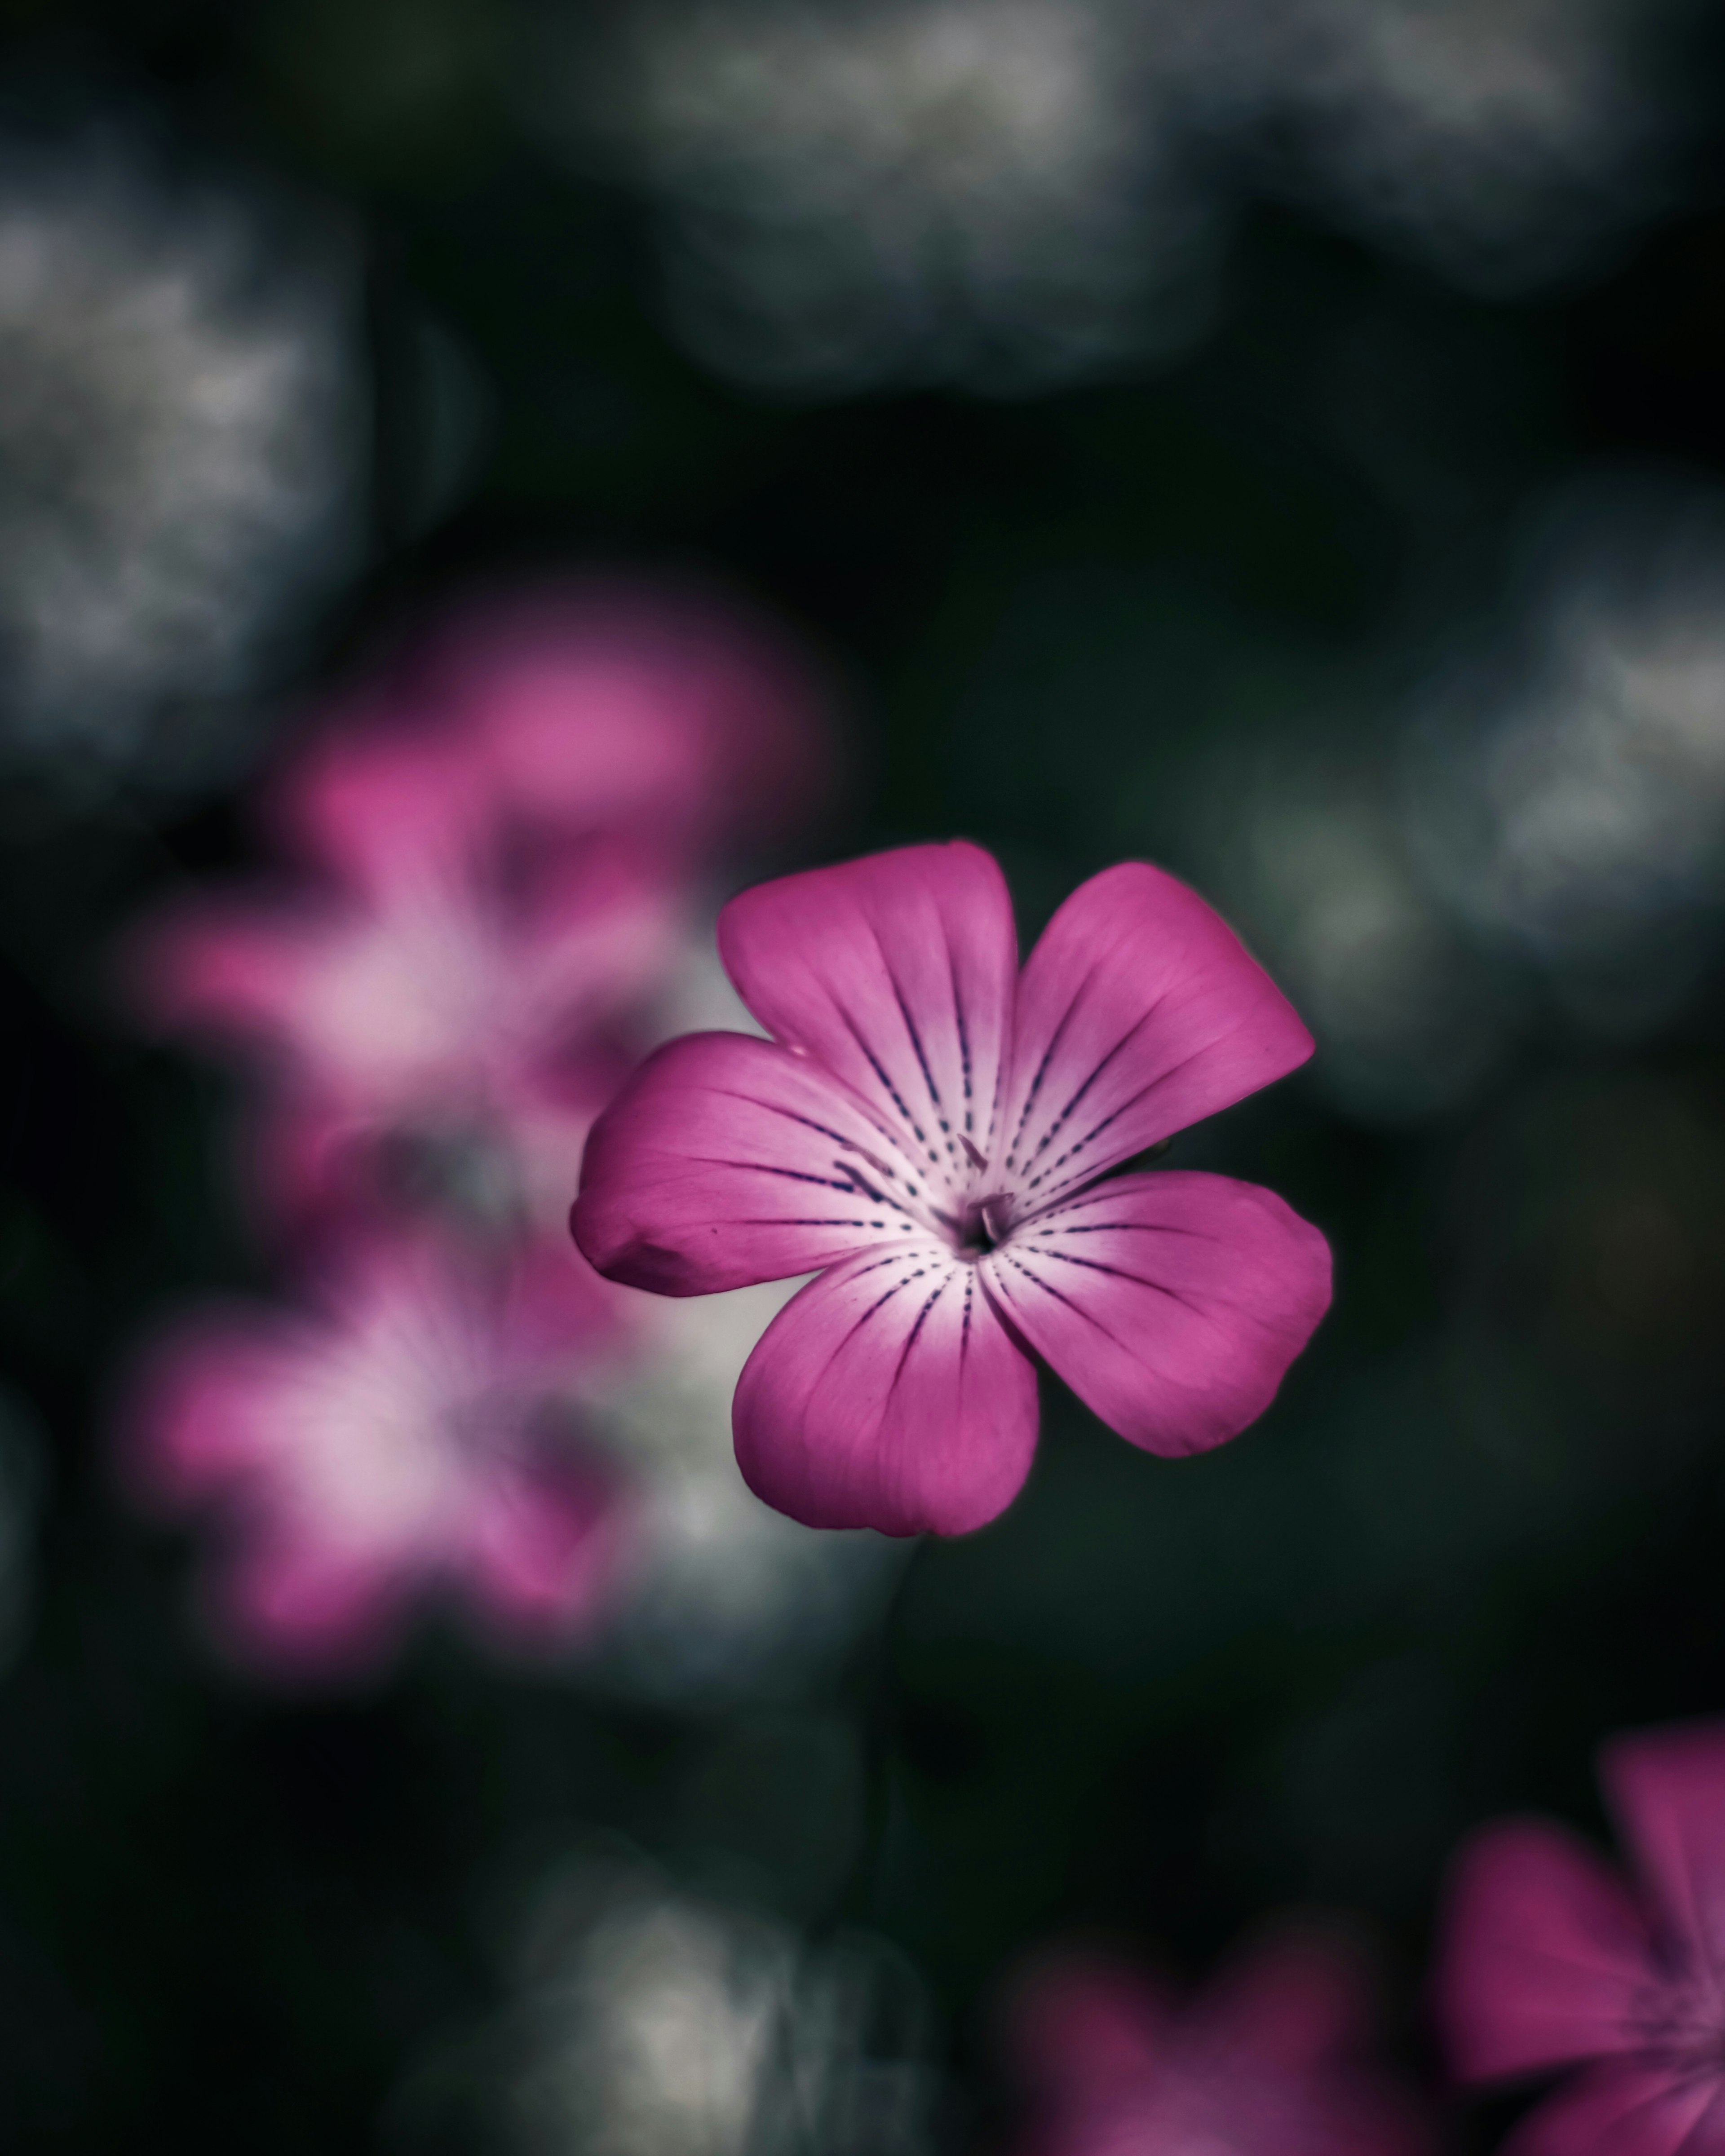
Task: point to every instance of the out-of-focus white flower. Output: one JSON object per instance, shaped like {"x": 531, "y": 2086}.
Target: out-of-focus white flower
{"x": 978, "y": 190}
{"x": 657, "y": 2025}
{"x": 1007, "y": 194}
{"x": 1569, "y": 798}
{"x": 1506, "y": 141}
{"x": 183, "y": 441}
{"x": 723, "y": 1598}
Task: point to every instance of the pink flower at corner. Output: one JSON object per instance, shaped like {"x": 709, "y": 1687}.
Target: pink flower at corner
{"x": 1271, "y": 2059}
{"x": 414, "y": 1437}
{"x": 1549, "y": 1961}
{"x": 930, "y": 1130}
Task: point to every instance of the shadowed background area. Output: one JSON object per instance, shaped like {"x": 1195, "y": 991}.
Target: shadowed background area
{"x": 481, "y": 481}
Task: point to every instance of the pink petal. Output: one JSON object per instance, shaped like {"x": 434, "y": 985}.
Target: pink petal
{"x": 887, "y": 1394}
{"x": 296, "y": 1609}
{"x": 1667, "y": 1789}
{"x": 198, "y": 1420}
{"x": 896, "y": 973}
{"x": 545, "y": 1545}
{"x": 1171, "y": 1303}
{"x": 383, "y": 800}
{"x": 727, "y": 1160}
{"x": 1627, "y": 2108}
{"x": 230, "y": 971}
{"x": 605, "y": 703}
{"x": 1544, "y": 1959}
{"x": 1296, "y": 2000}
{"x": 1076, "y": 2023}
{"x": 1139, "y": 1012}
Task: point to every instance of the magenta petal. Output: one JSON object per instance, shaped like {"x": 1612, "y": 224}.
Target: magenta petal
{"x": 383, "y": 802}
{"x": 1078, "y": 2022}
{"x": 1667, "y": 1789}
{"x": 1299, "y": 2000}
{"x": 1139, "y": 1012}
{"x": 297, "y": 1609}
{"x": 543, "y": 1547}
{"x": 887, "y": 1394}
{"x": 725, "y": 1161}
{"x": 229, "y": 972}
{"x": 1544, "y": 1956}
{"x": 1627, "y": 2108}
{"x": 1171, "y": 1303}
{"x": 896, "y": 973}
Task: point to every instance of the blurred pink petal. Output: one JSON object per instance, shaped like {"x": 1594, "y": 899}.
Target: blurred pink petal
{"x": 1546, "y": 1957}
{"x": 434, "y": 1012}
{"x": 296, "y": 1610}
{"x": 663, "y": 711}
{"x": 417, "y": 1437}
{"x": 1666, "y": 1788}
{"x": 1302, "y": 1996}
{"x": 1547, "y": 1961}
{"x": 1171, "y": 1303}
{"x": 883, "y": 1131}
{"x": 1270, "y": 2060}
{"x": 887, "y": 1394}
{"x": 1625, "y": 2108}
{"x": 544, "y": 1551}
{"x": 1082, "y": 2020}
{"x": 382, "y": 798}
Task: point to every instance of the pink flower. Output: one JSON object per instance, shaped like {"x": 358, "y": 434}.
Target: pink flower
{"x": 1270, "y": 2060}
{"x": 929, "y": 1129}
{"x": 415, "y": 1435}
{"x": 436, "y": 1004}
{"x": 1550, "y": 1961}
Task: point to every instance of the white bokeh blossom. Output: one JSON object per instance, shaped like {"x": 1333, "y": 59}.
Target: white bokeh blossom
{"x": 1509, "y": 143}
{"x": 722, "y": 1599}
{"x": 183, "y": 444}
{"x": 656, "y": 2023}
{"x": 980, "y": 192}
{"x": 1566, "y": 790}
{"x": 1009, "y": 195}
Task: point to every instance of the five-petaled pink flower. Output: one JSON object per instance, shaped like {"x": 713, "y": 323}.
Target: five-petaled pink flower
{"x": 419, "y": 1434}
{"x": 1550, "y": 1961}
{"x": 934, "y": 1131}
{"x": 1270, "y": 2060}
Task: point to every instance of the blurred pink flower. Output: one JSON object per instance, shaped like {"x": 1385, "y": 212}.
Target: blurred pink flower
{"x": 927, "y": 1127}
{"x": 1550, "y": 1961}
{"x": 432, "y": 1007}
{"x": 506, "y": 837}
{"x": 417, "y": 1434}
{"x": 1270, "y": 2060}
{"x": 692, "y": 725}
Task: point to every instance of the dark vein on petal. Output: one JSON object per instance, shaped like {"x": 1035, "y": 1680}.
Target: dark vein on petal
{"x": 1124, "y": 1042}
{"x": 1116, "y": 1272}
{"x": 915, "y": 1330}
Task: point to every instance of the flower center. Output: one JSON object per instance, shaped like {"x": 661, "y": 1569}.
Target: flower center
{"x": 982, "y": 1225}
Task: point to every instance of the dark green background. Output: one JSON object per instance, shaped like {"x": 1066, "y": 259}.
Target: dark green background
{"x": 1480, "y": 1527}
